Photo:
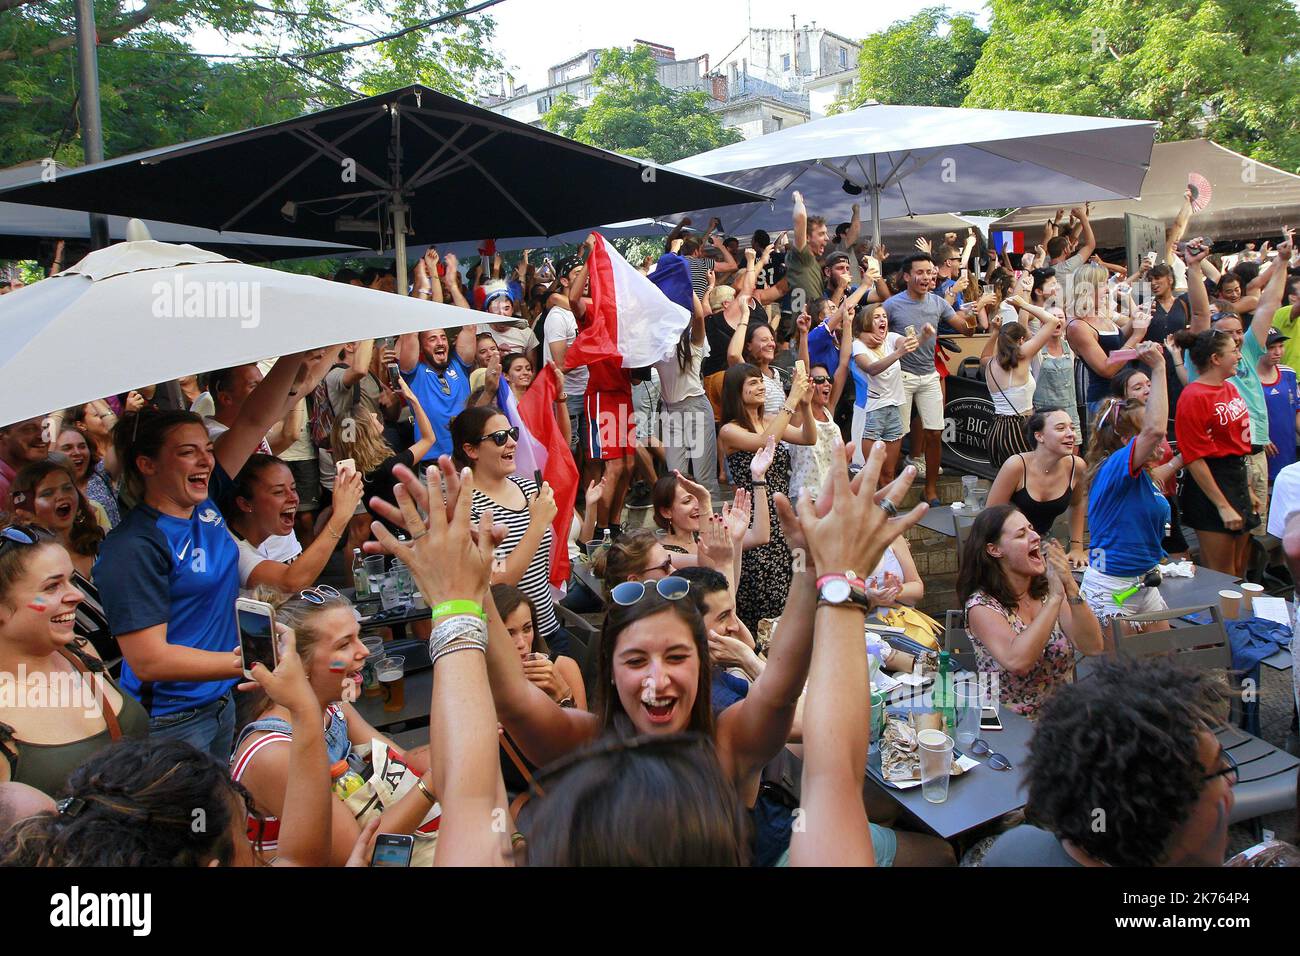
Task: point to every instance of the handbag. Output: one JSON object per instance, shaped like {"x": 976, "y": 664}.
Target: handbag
{"x": 391, "y": 780}
{"x": 917, "y": 625}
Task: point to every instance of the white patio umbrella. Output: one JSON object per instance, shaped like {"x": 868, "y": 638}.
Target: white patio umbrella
{"x": 143, "y": 312}
{"x": 915, "y": 160}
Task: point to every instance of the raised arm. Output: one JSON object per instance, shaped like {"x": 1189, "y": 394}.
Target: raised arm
{"x": 424, "y": 426}
{"x": 841, "y": 371}
{"x": 1176, "y": 231}
{"x": 800, "y": 237}
{"x": 1155, "y": 416}
{"x": 453, "y": 281}
{"x": 1197, "y": 295}
{"x": 1270, "y": 299}
{"x": 266, "y": 405}
{"x": 304, "y": 571}
{"x": 1087, "y": 242}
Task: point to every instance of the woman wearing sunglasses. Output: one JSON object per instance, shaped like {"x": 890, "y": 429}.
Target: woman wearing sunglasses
{"x": 169, "y": 573}
{"x": 809, "y": 464}
{"x": 263, "y": 505}
{"x": 485, "y": 442}
{"x": 80, "y": 709}
{"x": 328, "y": 639}
{"x": 654, "y": 676}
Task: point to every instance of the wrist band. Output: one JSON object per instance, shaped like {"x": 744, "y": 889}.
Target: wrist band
{"x": 456, "y": 634}
{"x": 448, "y": 608}
{"x": 758, "y": 484}
{"x": 419, "y": 782}
{"x": 850, "y": 605}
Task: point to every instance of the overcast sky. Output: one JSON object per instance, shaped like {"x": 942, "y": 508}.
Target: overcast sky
{"x": 533, "y": 35}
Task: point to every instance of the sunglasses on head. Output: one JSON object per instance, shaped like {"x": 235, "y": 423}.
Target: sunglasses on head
{"x": 500, "y": 436}
{"x": 319, "y": 594}
{"x": 671, "y": 588}
{"x": 18, "y": 535}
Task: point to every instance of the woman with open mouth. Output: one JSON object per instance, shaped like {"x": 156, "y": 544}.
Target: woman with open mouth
{"x": 64, "y": 699}
{"x": 1048, "y": 481}
{"x": 680, "y": 505}
{"x": 486, "y": 443}
{"x": 45, "y": 493}
{"x": 265, "y": 505}
{"x": 169, "y": 573}
{"x": 94, "y": 478}
{"x": 1024, "y": 612}
{"x": 328, "y": 639}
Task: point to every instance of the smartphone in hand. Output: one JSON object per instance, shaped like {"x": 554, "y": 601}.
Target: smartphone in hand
{"x": 393, "y": 849}
{"x": 256, "y": 634}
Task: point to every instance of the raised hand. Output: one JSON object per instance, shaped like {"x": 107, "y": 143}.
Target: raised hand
{"x": 698, "y": 491}
{"x": 762, "y": 460}
{"x": 923, "y": 245}
{"x": 543, "y": 507}
{"x": 736, "y": 516}
{"x": 595, "y": 490}
{"x": 717, "y": 549}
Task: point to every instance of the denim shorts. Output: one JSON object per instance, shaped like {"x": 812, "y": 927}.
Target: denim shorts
{"x": 209, "y": 727}
{"x": 883, "y": 424}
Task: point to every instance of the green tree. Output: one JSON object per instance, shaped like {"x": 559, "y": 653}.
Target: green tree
{"x": 1203, "y": 68}
{"x": 923, "y": 61}
{"x": 633, "y": 113}
{"x": 155, "y": 91}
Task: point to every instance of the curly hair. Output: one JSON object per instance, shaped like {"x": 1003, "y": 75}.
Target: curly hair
{"x": 138, "y": 804}
{"x": 1124, "y": 741}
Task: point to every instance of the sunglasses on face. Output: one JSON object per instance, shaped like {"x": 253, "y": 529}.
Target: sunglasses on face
{"x": 671, "y": 588}
{"x": 1229, "y": 769}
{"x": 500, "y": 436}
{"x": 821, "y": 380}
{"x": 444, "y": 385}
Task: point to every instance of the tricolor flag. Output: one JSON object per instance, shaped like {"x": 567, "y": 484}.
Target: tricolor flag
{"x": 1008, "y": 242}
{"x": 629, "y": 316}
{"x": 542, "y": 448}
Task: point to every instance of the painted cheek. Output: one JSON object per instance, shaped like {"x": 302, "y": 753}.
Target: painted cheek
{"x": 39, "y": 605}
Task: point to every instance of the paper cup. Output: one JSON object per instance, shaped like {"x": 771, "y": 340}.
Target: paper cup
{"x": 1230, "y": 604}
{"x": 1248, "y": 594}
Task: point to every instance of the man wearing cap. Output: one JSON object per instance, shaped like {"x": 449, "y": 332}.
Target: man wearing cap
{"x": 1282, "y": 396}
{"x": 512, "y": 335}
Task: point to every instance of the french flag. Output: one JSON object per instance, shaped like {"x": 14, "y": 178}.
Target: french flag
{"x": 1008, "y": 242}
{"x": 542, "y": 448}
{"x": 630, "y": 317}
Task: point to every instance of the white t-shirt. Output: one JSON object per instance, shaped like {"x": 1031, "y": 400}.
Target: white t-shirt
{"x": 676, "y": 385}
{"x": 1285, "y": 500}
{"x": 281, "y": 548}
{"x": 512, "y": 338}
{"x": 216, "y": 429}
{"x": 561, "y": 326}
{"x": 886, "y": 388}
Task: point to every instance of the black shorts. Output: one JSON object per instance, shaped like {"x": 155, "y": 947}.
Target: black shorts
{"x": 1200, "y": 513}
{"x": 306, "y": 480}
{"x": 1175, "y": 542}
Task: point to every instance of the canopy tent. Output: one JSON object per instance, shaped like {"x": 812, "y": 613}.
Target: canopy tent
{"x": 1248, "y": 199}
{"x": 146, "y": 311}
{"x": 906, "y": 160}
{"x": 410, "y": 162}
{"x": 29, "y": 232}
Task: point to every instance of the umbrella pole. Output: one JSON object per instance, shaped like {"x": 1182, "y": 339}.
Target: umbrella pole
{"x": 398, "y": 211}
{"x": 875, "y": 206}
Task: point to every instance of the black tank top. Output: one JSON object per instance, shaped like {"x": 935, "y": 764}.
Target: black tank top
{"x": 1041, "y": 514}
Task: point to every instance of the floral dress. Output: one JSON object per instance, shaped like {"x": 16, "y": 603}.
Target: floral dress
{"x": 765, "y": 572}
{"x": 810, "y": 464}
{"x": 99, "y": 488}
{"x": 1024, "y": 693}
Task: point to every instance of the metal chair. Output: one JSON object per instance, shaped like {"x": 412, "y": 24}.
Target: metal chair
{"x": 1266, "y": 776}
{"x": 957, "y": 641}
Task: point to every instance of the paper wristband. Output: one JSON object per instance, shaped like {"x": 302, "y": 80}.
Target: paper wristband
{"x": 448, "y": 608}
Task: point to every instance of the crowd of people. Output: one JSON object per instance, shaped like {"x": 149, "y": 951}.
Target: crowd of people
{"x": 770, "y": 446}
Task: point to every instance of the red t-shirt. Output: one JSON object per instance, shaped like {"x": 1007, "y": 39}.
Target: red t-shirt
{"x": 609, "y": 376}
{"x": 1211, "y": 422}
{"x": 1166, "y": 456}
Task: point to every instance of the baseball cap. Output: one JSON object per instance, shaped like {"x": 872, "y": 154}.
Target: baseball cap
{"x": 567, "y": 265}
{"x": 1274, "y": 336}
{"x": 831, "y": 258}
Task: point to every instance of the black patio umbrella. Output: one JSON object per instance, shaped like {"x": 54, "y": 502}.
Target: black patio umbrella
{"x": 408, "y": 163}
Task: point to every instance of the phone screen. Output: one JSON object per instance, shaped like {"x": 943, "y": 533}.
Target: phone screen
{"x": 394, "y": 377}
{"x": 256, "y": 641}
{"x": 392, "y": 850}
{"x": 989, "y": 719}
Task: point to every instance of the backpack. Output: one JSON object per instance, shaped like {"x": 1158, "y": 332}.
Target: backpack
{"x": 321, "y": 421}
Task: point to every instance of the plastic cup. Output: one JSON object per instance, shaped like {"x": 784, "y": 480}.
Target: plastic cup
{"x": 1230, "y": 604}
{"x": 968, "y": 713}
{"x": 1248, "y": 594}
{"x": 593, "y": 547}
{"x": 390, "y": 592}
{"x": 389, "y": 671}
{"x": 374, "y": 644}
{"x": 374, "y": 565}
{"x": 968, "y": 484}
{"x": 936, "y": 763}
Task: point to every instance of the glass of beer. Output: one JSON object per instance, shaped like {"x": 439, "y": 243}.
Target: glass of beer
{"x": 389, "y": 671}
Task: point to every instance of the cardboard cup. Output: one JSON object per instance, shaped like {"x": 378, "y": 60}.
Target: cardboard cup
{"x": 1248, "y": 593}
{"x": 1230, "y": 604}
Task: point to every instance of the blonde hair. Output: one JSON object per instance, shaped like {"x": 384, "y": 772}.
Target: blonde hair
{"x": 367, "y": 447}
{"x": 1090, "y": 285}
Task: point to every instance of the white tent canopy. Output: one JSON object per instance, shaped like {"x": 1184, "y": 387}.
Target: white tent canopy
{"x": 1248, "y": 200}
{"x": 143, "y": 312}
{"x": 907, "y": 160}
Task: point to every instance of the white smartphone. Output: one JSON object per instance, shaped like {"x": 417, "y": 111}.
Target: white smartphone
{"x": 256, "y": 634}
{"x": 345, "y": 468}
{"x": 989, "y": 719}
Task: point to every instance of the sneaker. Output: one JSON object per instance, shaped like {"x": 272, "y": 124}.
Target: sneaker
{"x": 639, "y": 495}
{"x": 919, "y": 465}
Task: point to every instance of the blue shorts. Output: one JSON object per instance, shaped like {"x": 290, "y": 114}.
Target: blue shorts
{"x": 883, "y": 424}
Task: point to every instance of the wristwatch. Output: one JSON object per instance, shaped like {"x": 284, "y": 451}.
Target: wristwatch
{"x": 843, "y": 589}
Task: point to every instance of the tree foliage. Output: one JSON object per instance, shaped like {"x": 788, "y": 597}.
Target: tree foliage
{"x": 154, "y": 91}
{"x": 633, "y": 113}
{"x": 1203, "y": 68}
{"x": 926, "y": 60}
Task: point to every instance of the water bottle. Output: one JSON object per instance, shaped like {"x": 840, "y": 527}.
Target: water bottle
{"x": 359, "y": 579}
{"x": 945, "y": 698}
{"x": 344, "y": 781}
{"x": 607, "y": 540}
